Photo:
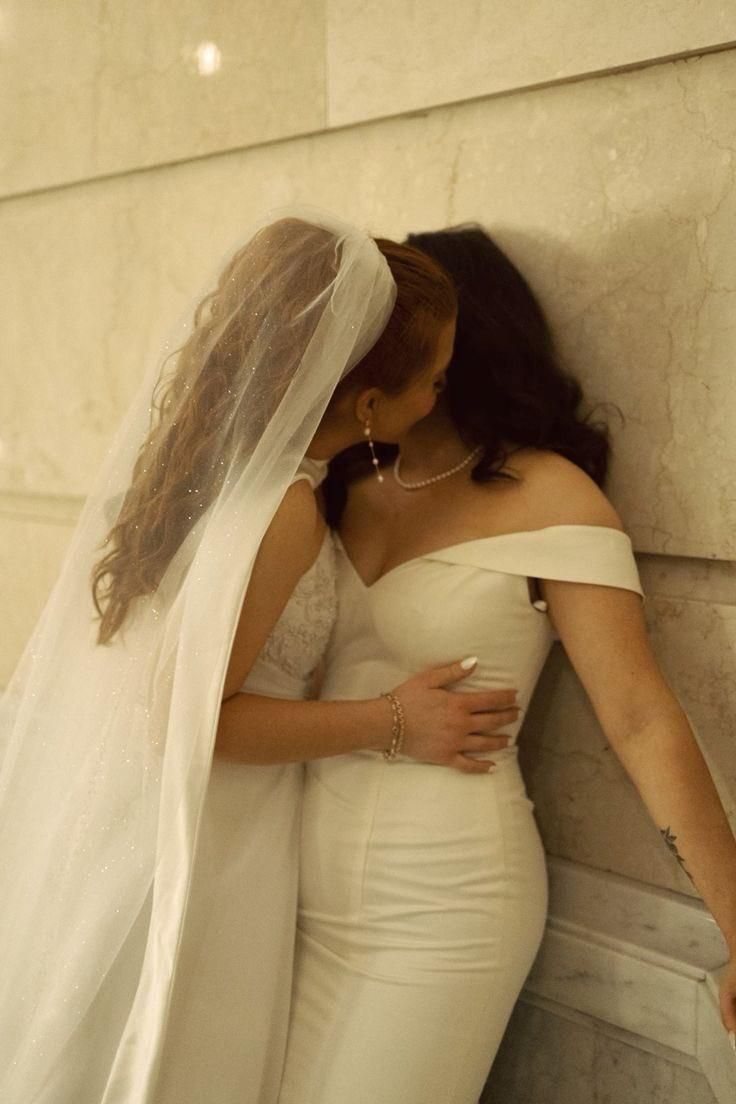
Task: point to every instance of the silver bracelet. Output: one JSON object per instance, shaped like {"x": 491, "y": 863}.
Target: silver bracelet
{"x": 398, "y": 727}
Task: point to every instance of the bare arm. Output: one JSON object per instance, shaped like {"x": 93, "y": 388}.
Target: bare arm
{"x": 256, "y": 729}
{"x": 289, "y": 547}
{"x": 441, "y": 726}
{"x": 604, "y": 634}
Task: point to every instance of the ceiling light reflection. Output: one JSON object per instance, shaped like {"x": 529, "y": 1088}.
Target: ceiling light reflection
{"x": 208, "y": 58}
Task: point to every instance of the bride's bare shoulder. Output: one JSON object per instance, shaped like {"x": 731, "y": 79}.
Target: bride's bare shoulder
{"x": 558, "y": 492}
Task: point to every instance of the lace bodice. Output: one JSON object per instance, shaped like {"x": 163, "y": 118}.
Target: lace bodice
{"x": 287, "y": 661}
{"x": 300, "y": 636}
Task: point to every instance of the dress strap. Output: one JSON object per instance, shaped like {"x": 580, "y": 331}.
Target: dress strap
{"x": 314, "y": 471}
{"x": 572, "y": 553}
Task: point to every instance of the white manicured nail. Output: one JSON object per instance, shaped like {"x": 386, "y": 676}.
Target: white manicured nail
{"x": 732, "y": 1040}
{"x": 469, "y": 662}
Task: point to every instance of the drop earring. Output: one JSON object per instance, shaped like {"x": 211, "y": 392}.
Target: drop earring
{"x": 374, "y": 458}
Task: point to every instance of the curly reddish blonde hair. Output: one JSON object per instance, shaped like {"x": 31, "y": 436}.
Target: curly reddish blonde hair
{"x": 195, "y": 435}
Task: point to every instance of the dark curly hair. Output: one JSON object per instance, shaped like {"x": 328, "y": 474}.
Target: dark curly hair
{"x": 505, "y": 382}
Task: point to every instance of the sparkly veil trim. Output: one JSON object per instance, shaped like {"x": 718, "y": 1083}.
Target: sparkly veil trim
{"x": 106, "y": 750}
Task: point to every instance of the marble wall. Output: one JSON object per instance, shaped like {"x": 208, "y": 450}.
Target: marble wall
{"x": 596, "y": 140}
{"x": 560, "y": 1059}
{"x": 91, "y": 88}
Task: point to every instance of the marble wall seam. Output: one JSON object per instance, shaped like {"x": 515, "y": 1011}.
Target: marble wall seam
{"x": 536, "y": 86}
{"x": 547, "y": 1057}
{"x": 328, "y": 125}
{"x": 662, "y": 569}
{"x": 611, "y": 1031}
{"x": 663, "y": 576}
{"x": 158, "y": 166}
{"x": 620, "y": 213}
{"x": 601, "y": 974}
{"x": 625, "y": 243}
{"x": 389, "y": 58}
{"x": 152, "y": 84}
{"x": 691, "y": 578}
{"x": 64, "y": 509}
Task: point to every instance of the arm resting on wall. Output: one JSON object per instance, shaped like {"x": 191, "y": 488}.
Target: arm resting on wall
{"x": 603, "y": 631}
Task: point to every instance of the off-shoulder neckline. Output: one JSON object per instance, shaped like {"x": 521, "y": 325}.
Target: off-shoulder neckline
{"x": 463, "y": 544}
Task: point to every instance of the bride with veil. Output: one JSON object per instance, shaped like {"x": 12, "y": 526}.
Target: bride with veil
{"x": 148, "y": 895}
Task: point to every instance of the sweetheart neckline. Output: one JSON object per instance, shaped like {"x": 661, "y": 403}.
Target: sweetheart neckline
{"x": 459, "y": 544}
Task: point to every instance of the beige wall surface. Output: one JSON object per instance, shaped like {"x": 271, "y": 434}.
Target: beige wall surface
{"x": 387, "y": 57}
{"x": 587, "y": 808}
{"x": 615, "y": 194}
{"x": 89, "y": 88}
{"x": 545, "y": 1058}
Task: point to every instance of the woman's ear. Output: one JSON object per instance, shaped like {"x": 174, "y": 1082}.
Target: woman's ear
{"x": 365, "y": 404}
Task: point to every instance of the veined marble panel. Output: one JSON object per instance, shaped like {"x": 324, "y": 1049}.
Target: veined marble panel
{"x": 650, "y": 1019}
{"x": 387, "y": 57}
{"x": 548, "y": 1057}
{"x": 698, "y": 580}
{"x": 586, "y": 805}
{"x": 718, "y": 1062}
{"x": 88, "y": 88}
{"x": 667, "y": 929}
{"x": 616, "y": 197}
{"x": 603, "y": 982}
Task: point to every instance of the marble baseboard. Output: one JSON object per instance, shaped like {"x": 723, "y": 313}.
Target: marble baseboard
{"x": 553, "y": 1055}
{"x": 641, "y": 962}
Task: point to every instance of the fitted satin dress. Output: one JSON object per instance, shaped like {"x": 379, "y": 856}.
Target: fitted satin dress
{"x": 423, "y": 890}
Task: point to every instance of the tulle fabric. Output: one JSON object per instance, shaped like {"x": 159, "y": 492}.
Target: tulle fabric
{"x": 106, "y": 750}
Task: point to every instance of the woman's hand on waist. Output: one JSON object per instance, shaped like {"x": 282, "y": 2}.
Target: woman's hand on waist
{"x": 442, "y": 727}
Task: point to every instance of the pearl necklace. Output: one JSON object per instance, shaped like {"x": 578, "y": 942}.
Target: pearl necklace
{"x": 435, "y": 478}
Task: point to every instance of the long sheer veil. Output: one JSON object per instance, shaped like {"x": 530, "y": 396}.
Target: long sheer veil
{"x": 106, "y": 748}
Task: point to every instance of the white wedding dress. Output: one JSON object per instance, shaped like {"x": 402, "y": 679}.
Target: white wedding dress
{"x": 113, "y": 990}
{"x": 226, "y": 1034}
{"x": 423, "y": 890}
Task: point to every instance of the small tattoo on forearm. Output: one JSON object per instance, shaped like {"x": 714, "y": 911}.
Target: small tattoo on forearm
{"x": 669, "y": 839}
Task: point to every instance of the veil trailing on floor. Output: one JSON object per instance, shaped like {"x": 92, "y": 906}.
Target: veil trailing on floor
{"x": 106, "y": 747}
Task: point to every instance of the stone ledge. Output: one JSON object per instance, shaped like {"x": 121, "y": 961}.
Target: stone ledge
{"x": 638, "y": 960}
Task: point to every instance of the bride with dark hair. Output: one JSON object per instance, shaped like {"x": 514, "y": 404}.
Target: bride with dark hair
{"x": 423, "y": 893}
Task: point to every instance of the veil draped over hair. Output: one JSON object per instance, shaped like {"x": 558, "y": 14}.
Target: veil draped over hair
{"x": 107, "y": 747}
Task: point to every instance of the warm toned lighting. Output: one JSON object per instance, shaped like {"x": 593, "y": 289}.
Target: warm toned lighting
{"x": 208, "y": 58}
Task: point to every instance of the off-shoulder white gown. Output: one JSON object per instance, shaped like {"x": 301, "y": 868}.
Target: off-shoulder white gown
{"x": 424, "y": 890}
